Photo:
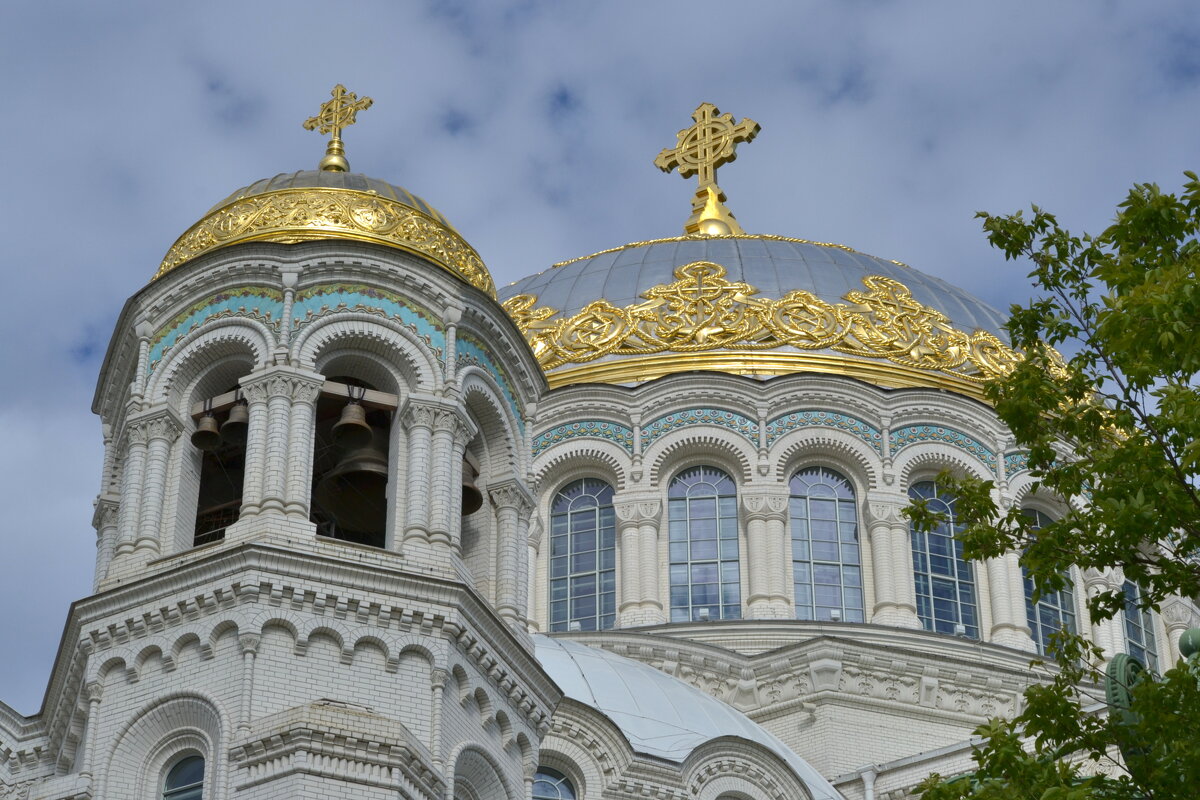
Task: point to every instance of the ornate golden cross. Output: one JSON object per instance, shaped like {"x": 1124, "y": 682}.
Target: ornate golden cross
{"x": 335, "y": 115}
{"x": 710, "y": 143}
{"x": 699, "y": 150}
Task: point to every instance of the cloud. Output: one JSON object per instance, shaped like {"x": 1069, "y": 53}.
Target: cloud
{"x": 532, "y": 126}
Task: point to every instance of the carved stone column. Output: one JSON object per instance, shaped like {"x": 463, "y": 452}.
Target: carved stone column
{"x": 418, "y": 421}
{"x": 1177, "y": 616}
{"x": 629, "y": 580}
{"x": 132, "y": 480}
{"x": 161, "y": 431}
{"x": 513, "y": 505}
{"x": 1107, "y": 634}
{"x": 104, "y": 520}
{"x": 451, "y": 432}
{"x": 305, "y": 390}
{"x": 891, "y": 562}
{"x": 1010, "y": 626}
{"x": 644, "y": 513}
{"x": 93, "y": 691}
{"x": 256, "y": 392}
{"x": 249, "y": 643}
{"x": 437, "y": 685}
{"x": 765, "y": 570}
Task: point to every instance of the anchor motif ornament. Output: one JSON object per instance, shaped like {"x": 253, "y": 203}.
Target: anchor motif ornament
{"x": 710, "y": 143}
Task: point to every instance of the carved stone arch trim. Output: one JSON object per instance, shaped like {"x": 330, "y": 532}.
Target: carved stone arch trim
{"x": 929, "y": 459}
{"x": 500, "y": 430}
{"x": 463, "y": 749}
{"x": 197, "y": 353}
{"x": 145, "y": 733}
{"x": 99, "y": 670}
{"x": 573, "y": 761}
{"x": 570, "y": 461}
{"x": 841, "y": 451}
{"x": 275, "y": 617}
{"x": 370, "y": 636}
{"x": 331, "y": 628}
{"x": 701, "y": 445}
{"x": 598, "y": 745}
{"x": 731, "y": 766}
{"x": 1024, "y": 492}
{"x": 415, "y": 365}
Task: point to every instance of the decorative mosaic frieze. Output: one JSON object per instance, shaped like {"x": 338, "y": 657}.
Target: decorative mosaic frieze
{"x": 262, "y": 303}
{"x": 316, "y": 302}
{"x": 903, "y": 437}
{"x": 700, "y": 416}
{"x": 472, "y": 350}
{"x": 1015, "y": 464}
{"x": 779, "y": 426}
{"x": 590, "y": 429}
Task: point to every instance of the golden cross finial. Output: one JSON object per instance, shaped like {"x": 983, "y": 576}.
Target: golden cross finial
{"x": 699, "y": 150}
{"x": 335, "y": 115}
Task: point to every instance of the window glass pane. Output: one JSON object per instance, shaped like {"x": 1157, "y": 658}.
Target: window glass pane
{"x": 944, "y": 581}
{"x": 184, "y": 781}
{"x": 583, "y": 556}
{"x": 550, "y": 784}
{"x": 825, "y": 546}
{"x": 702, "y": 519}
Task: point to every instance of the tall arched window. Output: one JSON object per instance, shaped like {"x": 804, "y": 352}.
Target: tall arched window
{"x": 185, "y": 780}
{"x": 1052, "y": 612}
{"x": 702, "y": 515}
{"x": 550, "y": 784}
{"x": 1140, "y": 641}
{"x": 944, "y": 580}
{"x": 583, "y": 557}
{"x": 826, "y": 568}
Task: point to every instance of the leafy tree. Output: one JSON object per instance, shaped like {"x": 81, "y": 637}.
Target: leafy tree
{"x": 1112, "y": 431}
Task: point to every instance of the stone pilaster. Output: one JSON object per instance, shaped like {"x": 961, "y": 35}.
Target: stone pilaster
{"x": 249, "y": 643}
{"x": 162, "y": 429}
{"x": 1177, "y": 616}
{"x": 645, "y": 514}
{"x": 132, "y": 480}
{"x": 891, "y": 557}
{"x": 105, "y": 520}
{"x": 1010, "y": 626}
{"x": 1107, "y": 634}
{"x": 513, "y": 506}
{"x": 418, "y": 421}
{"x": 305, "y": 391}
{"x": 766, "y": 569}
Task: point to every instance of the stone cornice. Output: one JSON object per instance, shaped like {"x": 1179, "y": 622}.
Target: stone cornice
{"x": 208, "y": 581}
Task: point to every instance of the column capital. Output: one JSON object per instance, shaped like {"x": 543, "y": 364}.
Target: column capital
{"x": 160, "y": 422}
{"x": 511, "y": 494}
{"x": 106, "y": 513}
{"x": 1177, "y": 614}
{"x": 638, "y": 511}
{"x": 883, "y": 512}
{"x": 93, "y": 691}
{"x": 281, "y": 381}
{"x": 249, "y": 642}
{"x": 765, "y": 505}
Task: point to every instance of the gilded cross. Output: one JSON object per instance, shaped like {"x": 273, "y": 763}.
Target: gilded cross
{"x": 710, "y": 143}
{"x": 335, "y": 115}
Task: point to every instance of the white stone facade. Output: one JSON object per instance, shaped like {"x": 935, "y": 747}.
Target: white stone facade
{"x": 299, "y": 665}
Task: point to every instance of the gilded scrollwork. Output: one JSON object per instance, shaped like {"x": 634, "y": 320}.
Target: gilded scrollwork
{"x": 295, "y": 215}
{"x": 702, "y": 310}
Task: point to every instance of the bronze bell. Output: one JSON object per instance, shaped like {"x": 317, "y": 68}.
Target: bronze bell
{"x": 354, "y": 492}
{"x": 233, "y": 430}
{"x": 351, "y": 431}
{"x": 472, "y": 498}
{"x": 207, "y": 435}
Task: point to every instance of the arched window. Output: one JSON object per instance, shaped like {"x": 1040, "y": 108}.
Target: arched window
{"x": 1140, "y": 641}
{"x": 1052, "y": 612}
{"x": 702, "y": 514}
{"x": 550, "y": 784}
{"x": 944, "y": 580}
{"x": 583, "y": 557}
{"x": 825, "y": 556}
{"x": 185, "y": 780}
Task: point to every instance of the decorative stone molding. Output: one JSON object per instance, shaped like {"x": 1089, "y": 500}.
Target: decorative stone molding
{"x": 638, "y": 512}
{"x": 511, "y": 494}
{"x": 764, "y": 505}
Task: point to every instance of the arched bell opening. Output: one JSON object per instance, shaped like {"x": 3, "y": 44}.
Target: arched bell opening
{"x": 220, "y": 439}
{"x": 350, "y": 463}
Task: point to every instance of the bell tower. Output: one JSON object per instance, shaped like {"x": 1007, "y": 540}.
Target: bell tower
{"x": 312, "y": 530}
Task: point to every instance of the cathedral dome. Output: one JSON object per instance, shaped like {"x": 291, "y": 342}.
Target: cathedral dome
{"x": 658, "y": 714}
{"x": 329, "y": 204}
{"x": 754, "y": 305}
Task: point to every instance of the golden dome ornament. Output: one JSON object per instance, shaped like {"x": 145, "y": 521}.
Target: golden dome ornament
{"x": 335, "y": 115}
{"x": 710, "y": 143}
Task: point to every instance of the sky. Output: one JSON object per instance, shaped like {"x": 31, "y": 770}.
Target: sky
{"x": 533, "y": 127}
